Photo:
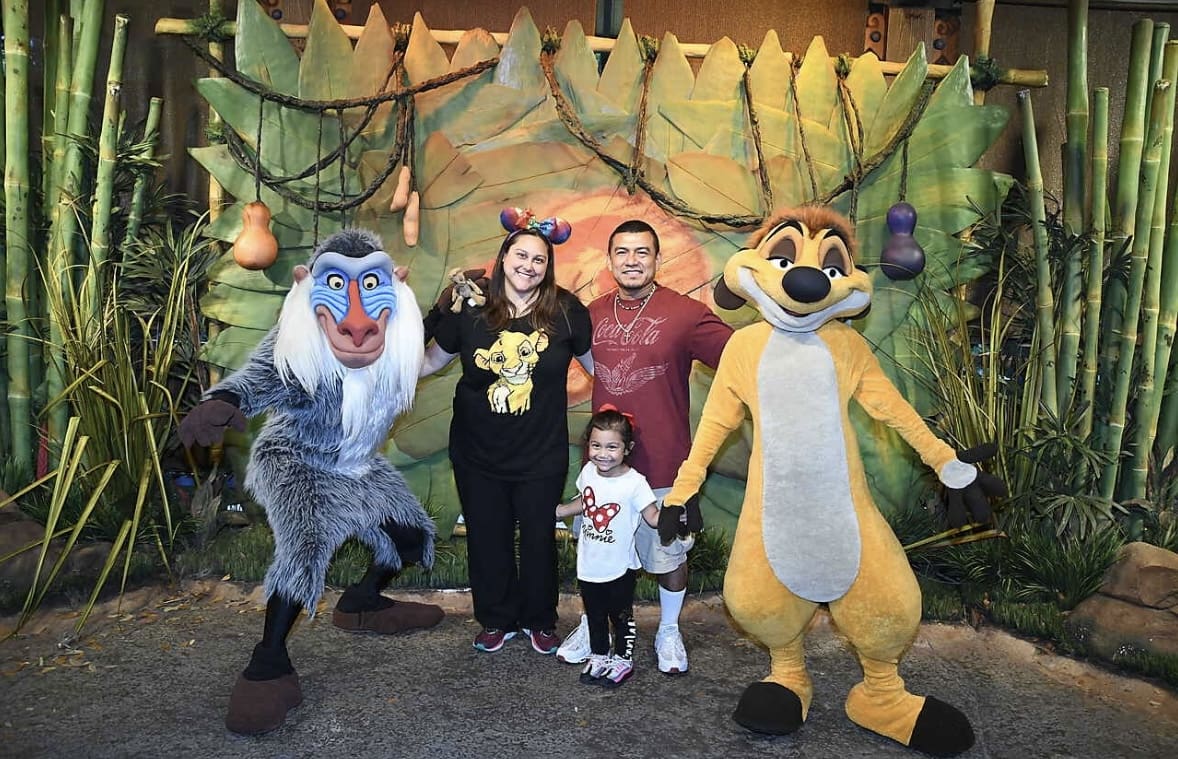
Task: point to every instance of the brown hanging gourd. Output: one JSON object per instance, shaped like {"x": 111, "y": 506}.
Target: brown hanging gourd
{"x": 255, "y": 246}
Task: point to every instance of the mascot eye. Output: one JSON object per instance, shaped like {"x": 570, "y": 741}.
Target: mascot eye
{"x": 370, "y": 282}
{"x": 834, "y": 272}
{"x": 335, "y": 281}
{"x": 781, "y": 263}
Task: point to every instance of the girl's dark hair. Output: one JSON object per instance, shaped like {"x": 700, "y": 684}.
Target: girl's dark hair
{"x": 611, "y": 420}
{"x": 544, "y": 310}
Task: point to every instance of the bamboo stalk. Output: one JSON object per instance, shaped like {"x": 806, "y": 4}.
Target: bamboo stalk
{"x": 1095, "y": 258}
{"x": 5, "y": 418}
{"x": 64, "y": 224}
{"x": 61, "y": 107}
{"x": 139, "y": 191}
{"x": 216, "y": 192}
{"x": 1152, "y": 374}
{"x": 983, "y": 25}
{"x": 1168, "y": 420}
{"x": 1019, "y": 77}
{"x": 1127, "y": 334}
{"x": 108, "y": 144}
{"x": 49, "y": 131}
{"x": 1044, "y": 301}
{"x": 1137, "y": 90}
{"x": 16, "y": 232}
{"x": 1074, "y": 155}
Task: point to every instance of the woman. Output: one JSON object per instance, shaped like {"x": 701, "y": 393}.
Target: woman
{"x": 509, "y": 433}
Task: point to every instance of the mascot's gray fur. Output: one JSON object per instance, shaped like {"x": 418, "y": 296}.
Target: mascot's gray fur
{"x": 316, "y": 466}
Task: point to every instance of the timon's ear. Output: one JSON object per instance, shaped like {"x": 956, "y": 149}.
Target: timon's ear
{"x": 725, "y": 298}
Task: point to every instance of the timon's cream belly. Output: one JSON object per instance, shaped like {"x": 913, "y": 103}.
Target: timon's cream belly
{"x": 809, "y": 524}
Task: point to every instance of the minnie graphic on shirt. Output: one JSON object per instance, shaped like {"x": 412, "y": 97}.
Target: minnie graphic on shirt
{"x": 597, "y": 517}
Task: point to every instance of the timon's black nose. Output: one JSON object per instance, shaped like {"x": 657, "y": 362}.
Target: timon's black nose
{"x": 805, "y": 284}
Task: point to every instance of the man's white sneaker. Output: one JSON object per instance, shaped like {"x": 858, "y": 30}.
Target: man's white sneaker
{"x": 575, "y": 648}
{"x": 668, "y": 646}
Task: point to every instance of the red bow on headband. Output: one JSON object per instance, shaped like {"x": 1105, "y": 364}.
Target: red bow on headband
{"x": 629, "y": 417}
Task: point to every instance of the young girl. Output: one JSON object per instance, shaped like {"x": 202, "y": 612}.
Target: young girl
{"x": 612, "y": 498}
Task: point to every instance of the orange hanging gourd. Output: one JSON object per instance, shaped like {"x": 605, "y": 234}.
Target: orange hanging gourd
{"x": 255, "y": 246}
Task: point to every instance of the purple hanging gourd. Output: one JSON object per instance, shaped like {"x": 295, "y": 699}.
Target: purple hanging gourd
{"x": 902, "y": 257}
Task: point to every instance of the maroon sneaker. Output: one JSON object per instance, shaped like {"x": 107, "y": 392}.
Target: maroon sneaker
{"x": 543, "y": 641}
{"x": 491, "y": 640}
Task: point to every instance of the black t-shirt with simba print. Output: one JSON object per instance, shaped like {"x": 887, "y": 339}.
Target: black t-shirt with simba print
{"x": 510, "y": 403}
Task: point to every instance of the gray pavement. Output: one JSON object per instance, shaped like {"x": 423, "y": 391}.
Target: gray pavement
{"x": 153, "y": 680}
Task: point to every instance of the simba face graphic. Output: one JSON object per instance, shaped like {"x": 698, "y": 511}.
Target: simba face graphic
{"x": 513, "y": 357}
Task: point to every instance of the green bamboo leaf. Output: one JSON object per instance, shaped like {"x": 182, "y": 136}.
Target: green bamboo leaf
{"x": 371, "y": 165}
{"x": 263, "y": 52}
{"x": 604, "y": 127}
{"x": 445, "y": 176}
{"x": 230, "y": 347}
{"x": 818, "y": 86}
{"x": 621, "y": 79}
{"x": 241, "y": 308}
{"x": 432, "y": 481}
{"x": 700, "y": 121}
{"x": 478, "y": 113}
{"x": 371, "y": 61}
{"x": 227, "y": 272}
{"x": 868, "y": 89}
{"x": 898, "y": 103}
{"x": 671, "y": 80}
{"x": 325, "y": 71}
{"x": 576, "y": 70}
{"x": 769, "y": 74}
{"x": 720, "y": 501}
{"x": 895, "y": 476}
{"x": 424, "y": 57}
{"x": 718, "y": 184}
{"x": 519, "y": 61}
{"x": 507, "y": 171}
{"x": 720, "y": 73}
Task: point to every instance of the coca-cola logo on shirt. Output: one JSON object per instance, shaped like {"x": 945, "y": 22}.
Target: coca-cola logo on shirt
{"x": 645, "y": 331}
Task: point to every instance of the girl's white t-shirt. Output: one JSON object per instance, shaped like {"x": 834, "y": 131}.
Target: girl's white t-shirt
{"x": 611, "y": 508}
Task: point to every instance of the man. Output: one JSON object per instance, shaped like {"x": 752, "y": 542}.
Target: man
{"x": 645, "y": 338}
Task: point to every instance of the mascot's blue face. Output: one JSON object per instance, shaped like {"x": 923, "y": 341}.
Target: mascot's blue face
{"x": 353, "y": 298}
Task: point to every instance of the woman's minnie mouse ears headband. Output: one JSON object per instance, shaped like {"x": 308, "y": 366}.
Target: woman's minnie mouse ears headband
{"x": 554, "y": 229}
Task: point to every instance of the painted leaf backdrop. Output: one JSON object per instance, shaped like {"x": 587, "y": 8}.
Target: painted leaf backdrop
{"x": 496, "y": 139}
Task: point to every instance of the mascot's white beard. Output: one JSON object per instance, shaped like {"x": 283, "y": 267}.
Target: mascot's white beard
{"x": 373, "y": 395}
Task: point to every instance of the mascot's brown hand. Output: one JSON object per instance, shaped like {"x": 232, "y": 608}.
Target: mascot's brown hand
{"x": 972, "y": 502}
{"x": 206, "y": 423}
{"x": 679, "y": 521}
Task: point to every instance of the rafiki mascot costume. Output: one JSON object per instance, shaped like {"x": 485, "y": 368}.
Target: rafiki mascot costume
{"x": 334, "y": 373}
{"x": 809, "y": 532}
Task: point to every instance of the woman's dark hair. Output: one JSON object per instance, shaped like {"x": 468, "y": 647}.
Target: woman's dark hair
{"x": 612, "y": 420}
{"x": 544, "y": 310}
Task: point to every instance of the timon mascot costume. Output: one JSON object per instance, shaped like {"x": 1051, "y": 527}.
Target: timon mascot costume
{"x": 332, "y": 375}
{"x": 809, "y": 532}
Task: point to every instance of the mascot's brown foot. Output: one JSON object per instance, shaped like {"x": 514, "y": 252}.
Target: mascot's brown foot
{"x": 769, "y": 708}
{"x": 941, "y": 730}
{"x": 392, "y": 617}
{"x": 259, "y": 706}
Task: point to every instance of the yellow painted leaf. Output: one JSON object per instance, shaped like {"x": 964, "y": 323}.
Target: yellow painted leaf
{"x": 791, "y": 187}
{"x": 818, "y": 85}
{"x": 424, "y": 57}
{"x": 713, "y": 184}
{"x": 671, "y": 80}
{"x": 474, "y": 46}
{"x": 769, "y": 74}
{"x": 897, "y": 104}
{"x": 868, "y": 88}
{"x": 621, "y": 79}
{"x": 325, "y": 70}
{"x": 720, "y": 73}
{"x": 575, "y": 65}
{"x": 373, "y": 57}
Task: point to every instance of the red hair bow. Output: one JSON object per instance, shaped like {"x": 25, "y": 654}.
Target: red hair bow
{"x": 629, "y": 417}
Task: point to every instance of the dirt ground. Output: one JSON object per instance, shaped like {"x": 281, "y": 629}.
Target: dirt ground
{"x": 151, "y": 678}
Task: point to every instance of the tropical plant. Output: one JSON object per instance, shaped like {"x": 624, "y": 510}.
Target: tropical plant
{"x": 532, "y": 123}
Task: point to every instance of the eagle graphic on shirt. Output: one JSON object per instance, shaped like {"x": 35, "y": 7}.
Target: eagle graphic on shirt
{"x": 512, "y": 358}
{"x": 622, "y": 379}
